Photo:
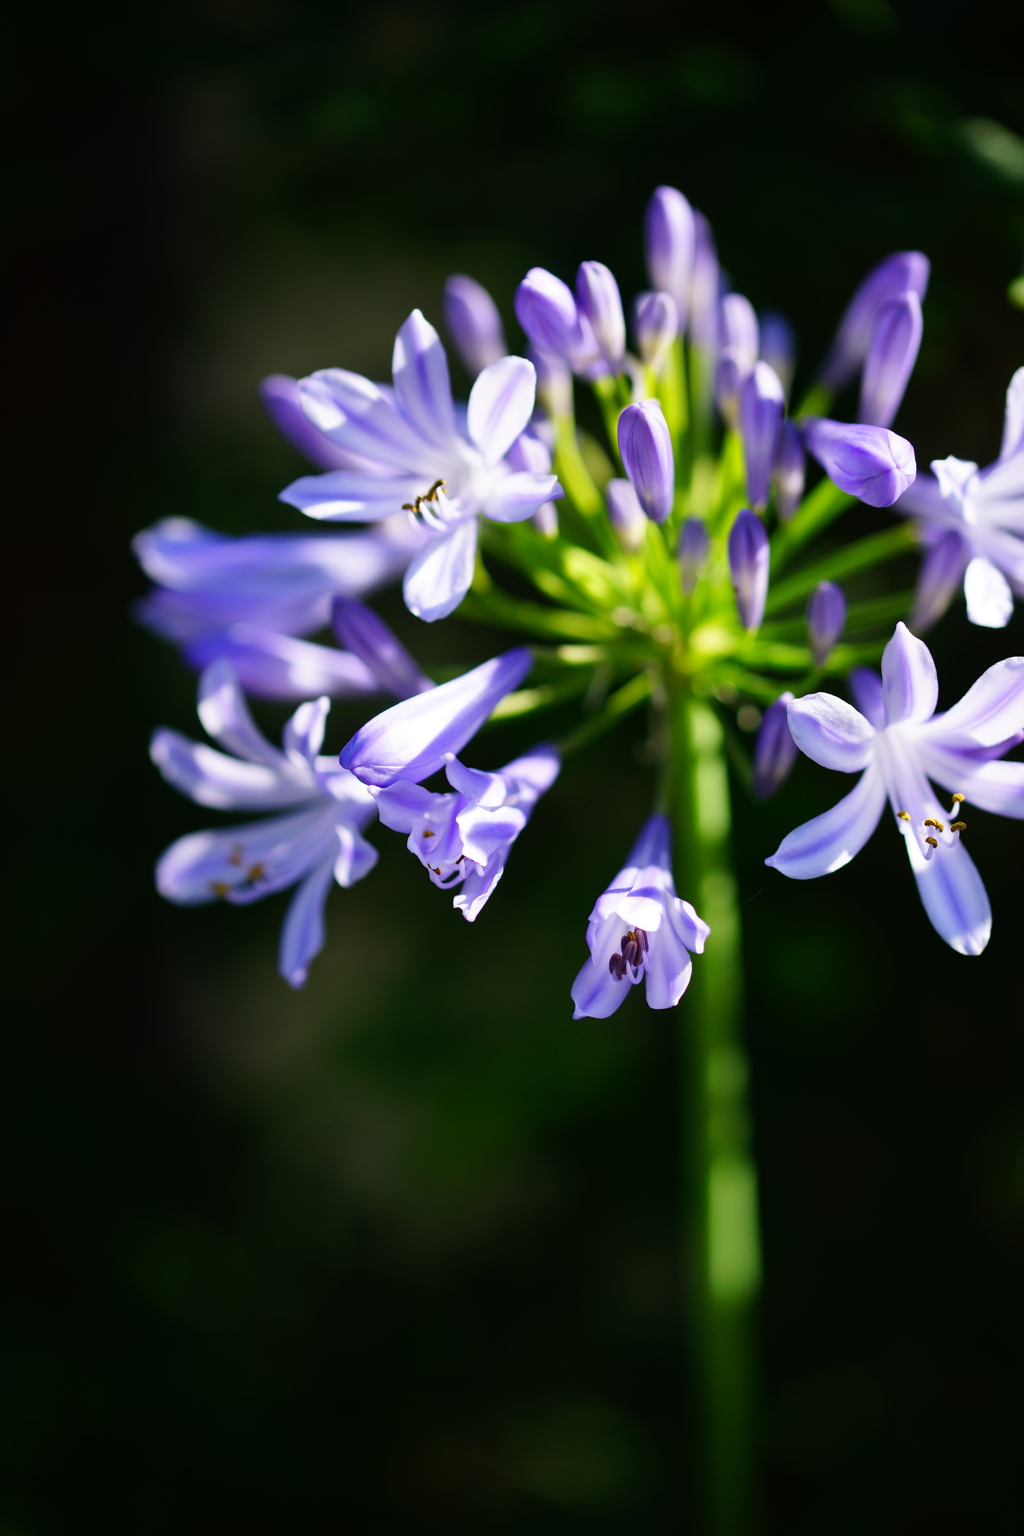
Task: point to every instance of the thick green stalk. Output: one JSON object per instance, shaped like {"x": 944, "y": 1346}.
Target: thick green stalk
{"x": 721, "y": 1245}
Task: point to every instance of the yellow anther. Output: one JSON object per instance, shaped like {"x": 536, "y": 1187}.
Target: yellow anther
{"x": 219, "y": 888}
{"x": 958, "y": 799}
{"x": 958, "y": 826}
{"x": 931, "y": 822}
{"x": 903, "y": 815}
{"x": 428, "y": 833}
{"x": 932, "y": 841}
{"x": 257, "y": 871}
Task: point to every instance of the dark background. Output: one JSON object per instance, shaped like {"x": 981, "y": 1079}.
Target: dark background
{"x": 397, "y": 1253}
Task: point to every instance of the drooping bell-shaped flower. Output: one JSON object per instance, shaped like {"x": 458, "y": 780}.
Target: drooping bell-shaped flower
{"x": 892, "y": 353}
{"x": 640, "y": 928}
{"x": 694, "y": 546}
{"x": 762, "y": 403}
{"x": 599, "y": 301}
{"x": 473, "y": 322}
{"x": 669, "y": 244}
{"x": 790, "y": 470}
{"x": 902, "y": 272}
{"x": 775, "y": 750}
{"x": 626, "y": 515}
{"x": 656, "y": 322}
{"x": 645, "y": 444}
{"x": 778, "y": 346}
{"x": 870, "y": 463}
{"x": 898, "y": 744}
{"x": 318, "y": 840}
{"x": 415, "y": 738}
{"x": 749, "y": 558}
{"x": 826, "y": 619}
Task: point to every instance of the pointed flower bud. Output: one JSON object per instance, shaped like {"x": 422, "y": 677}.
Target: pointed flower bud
{"x": 748, "y": 563}
{"x": 413, "y": 739}
{"x": 778, "y": 346}
{"x": 363, "y": 632}
{"x": 789, "y": 472}
{"x": 942, "y": 571}
{"x": 656, "y": 318}
{"x": 895, "y": 275}
{"x": 826, "y": 618}
{"x": 598, "y": 298}
{"x": 546, "y": 310}
{"x": 646, "y": 448}
{"x": 738, "y": 344}
{"x": 693, "y": 551}
{"x": 626, "y": 515}
{"x": 762, "y": 403}
{"x": 472, "y": 319}
{"x": 669, "y": 239}
{"x": 892, "y": 353}
{"x": 775, "y": 751}
{"x": 704, "y": 288}
{"x": 871, "y": 463}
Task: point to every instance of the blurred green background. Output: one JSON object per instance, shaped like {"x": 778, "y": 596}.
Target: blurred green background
{"x": 397, "y": 1253}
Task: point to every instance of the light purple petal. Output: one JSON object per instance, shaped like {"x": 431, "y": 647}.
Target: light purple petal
{"x": 341, "y": 496}
{"x": 411, "y": 739}
{"x": 364, "y": 419}
{"x": 990, "y": 711}
{"x": 595, "y": 992}
{"x": 1013, "y": 422}
{"x": 273, "y": 666}
{"x": 420, "y": 371}
{"x": 280, "y": 396}
{"x": 995, "y": 787}
{"x": 827, "y": 842}
{"x": 473, "y": 322}
{"x": 512, "y": 498}
{"x": 871, "y": 463}
{"x": 500, "y": 405}
{"x": 831, "y": 732}
{"x": 953, "y": 896}
{"x": 910, "y": 685}
{"x": 355, "y": 857}
{"x": 866, "y": 687}
{"x": 484, "y": 831}
{"x": 304, "y": 732}
{"x": 988, "y": 594}
{"x": 244, "y": 863}
{"x": 364, "y": 633}
{"x": 439, "y": 576}
{"x": 225, "y": 783}
{"x": 303, "y": 933}
{"x": 478, "y": 887}
{"x": 942, "y": 571}
{"x": 489, "y": 789}
{"x": 225, "y": 716}
{"x": 669, "y": 966}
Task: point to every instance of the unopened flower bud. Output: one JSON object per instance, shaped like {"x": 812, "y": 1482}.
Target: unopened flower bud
{"x": 626, "y": 514}
{"x": 778, "y": 346}
{"x": 646, "y": 448}
{"x": 598, "y": 298}
{"x": 657, "y": 325}
{"x": 748, "y": 562}
{"x": 473, "y": 323}
{"x": 761, "y": 407}
{"x": 895, "y": 275}
{"x": 704, "y": 288}
{"x": 789, "y": 472}
{"x": 871, "y": 463}
{"x": 731, "y": 372}
{"x": 669, "y": 240}
{"x": 826, "y": 617}
{"x": 738, "y": 343}
{"x": 942, "y": 571}
{"x": 546, "y": 310}
{"x": 775, "y": 751}
{"x": 892, "y": 353}
{"x": 693, "y": 551}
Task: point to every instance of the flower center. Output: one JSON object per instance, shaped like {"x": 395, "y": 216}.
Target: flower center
{"x": 240, "y": 877}
{"x": 634, "y": 944}
{"x": 933, "y": 834}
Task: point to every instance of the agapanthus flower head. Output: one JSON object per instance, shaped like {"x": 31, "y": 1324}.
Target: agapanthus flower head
{"x": 762, "y": 403}
{"x": 415, "y": 738}
{"x": 640, "y": 929}
{"x": 626, "y": 515}
{"x": 473, "y": 322}
{"x": 656, "y": 322}
{"x": 899, "y": 744}
{"x": 692, "y": 552}
{"x": 826, "y": 619}
{"x": 971, "y": 521}
{"x": 599, "y": 301}
{"x": 902, "y": 272}
{"x": 775, "y": 750}
{"x": 317, "y": 840}
{"x": 669, "y": 243}
{"x": 892, "y": 353}
{"x": 645, "y": 444}
{"x": 778, "y": 346}
{"x": 749, "y": 558}
{"x": 871, "y": 463}
{"x": 789, "y": 471}
{"x": 423, "y": 461}
{"x": 464, "y": 838}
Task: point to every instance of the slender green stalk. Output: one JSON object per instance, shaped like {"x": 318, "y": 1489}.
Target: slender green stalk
{"x": 720, "y": 1237}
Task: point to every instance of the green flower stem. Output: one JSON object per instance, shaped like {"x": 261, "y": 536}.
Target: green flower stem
{"x": 721, "y": 1245}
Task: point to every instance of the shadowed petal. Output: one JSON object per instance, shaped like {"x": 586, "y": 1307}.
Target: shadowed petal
{"x": 827, "y": 842}
{"x": 274, "y": 666}
{"x": 364, "y": 419}
{"x": 244, "y": 863}
{"x": 303, "y": 935}
{"x": 1013, "y": 422}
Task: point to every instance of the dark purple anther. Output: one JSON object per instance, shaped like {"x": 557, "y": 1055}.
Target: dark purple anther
{"x": 635, "y": 945}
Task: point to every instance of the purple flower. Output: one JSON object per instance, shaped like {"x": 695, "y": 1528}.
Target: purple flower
{"x": 640, "y": 928}
{"x": 365, "y": 634}
{"x": 692, "y": 552}
{"x": 531, "y": 452}
{"x": 547, "y": 312}
{"x": 599, "y": 301}
{"x": 415, "y": 738}
{"x": 464, "y": 838}
{"x": 972, "y": 523}
{"x": 669, "y": 241}
{"x": 906, "y": 270}
{"x": 318, "y": 840}
{"x": 737, "y": 352}
{"x": 775, "y": 750}
{"x": 270, "y": 665}
{"x": 778, "y": 346}
{"x": 871, "y": 463}
{"x": 749, "y": 558}
{"x": 656, "y": 321}
{"x": 646, "y": 448}
{"x": 472, "y": 320}
{"x": 789, "y": 472}
{"x": 423, "y": 460}
{"x": 705, "y": 286}
{"x": 626, "y": 515}
{"x": 901, "y": 745}
{"x": 280, "y": 396}
{"x": 826, "y": 619}
{"x": 892, "y": 353}
{"x": 761, "y": 408}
